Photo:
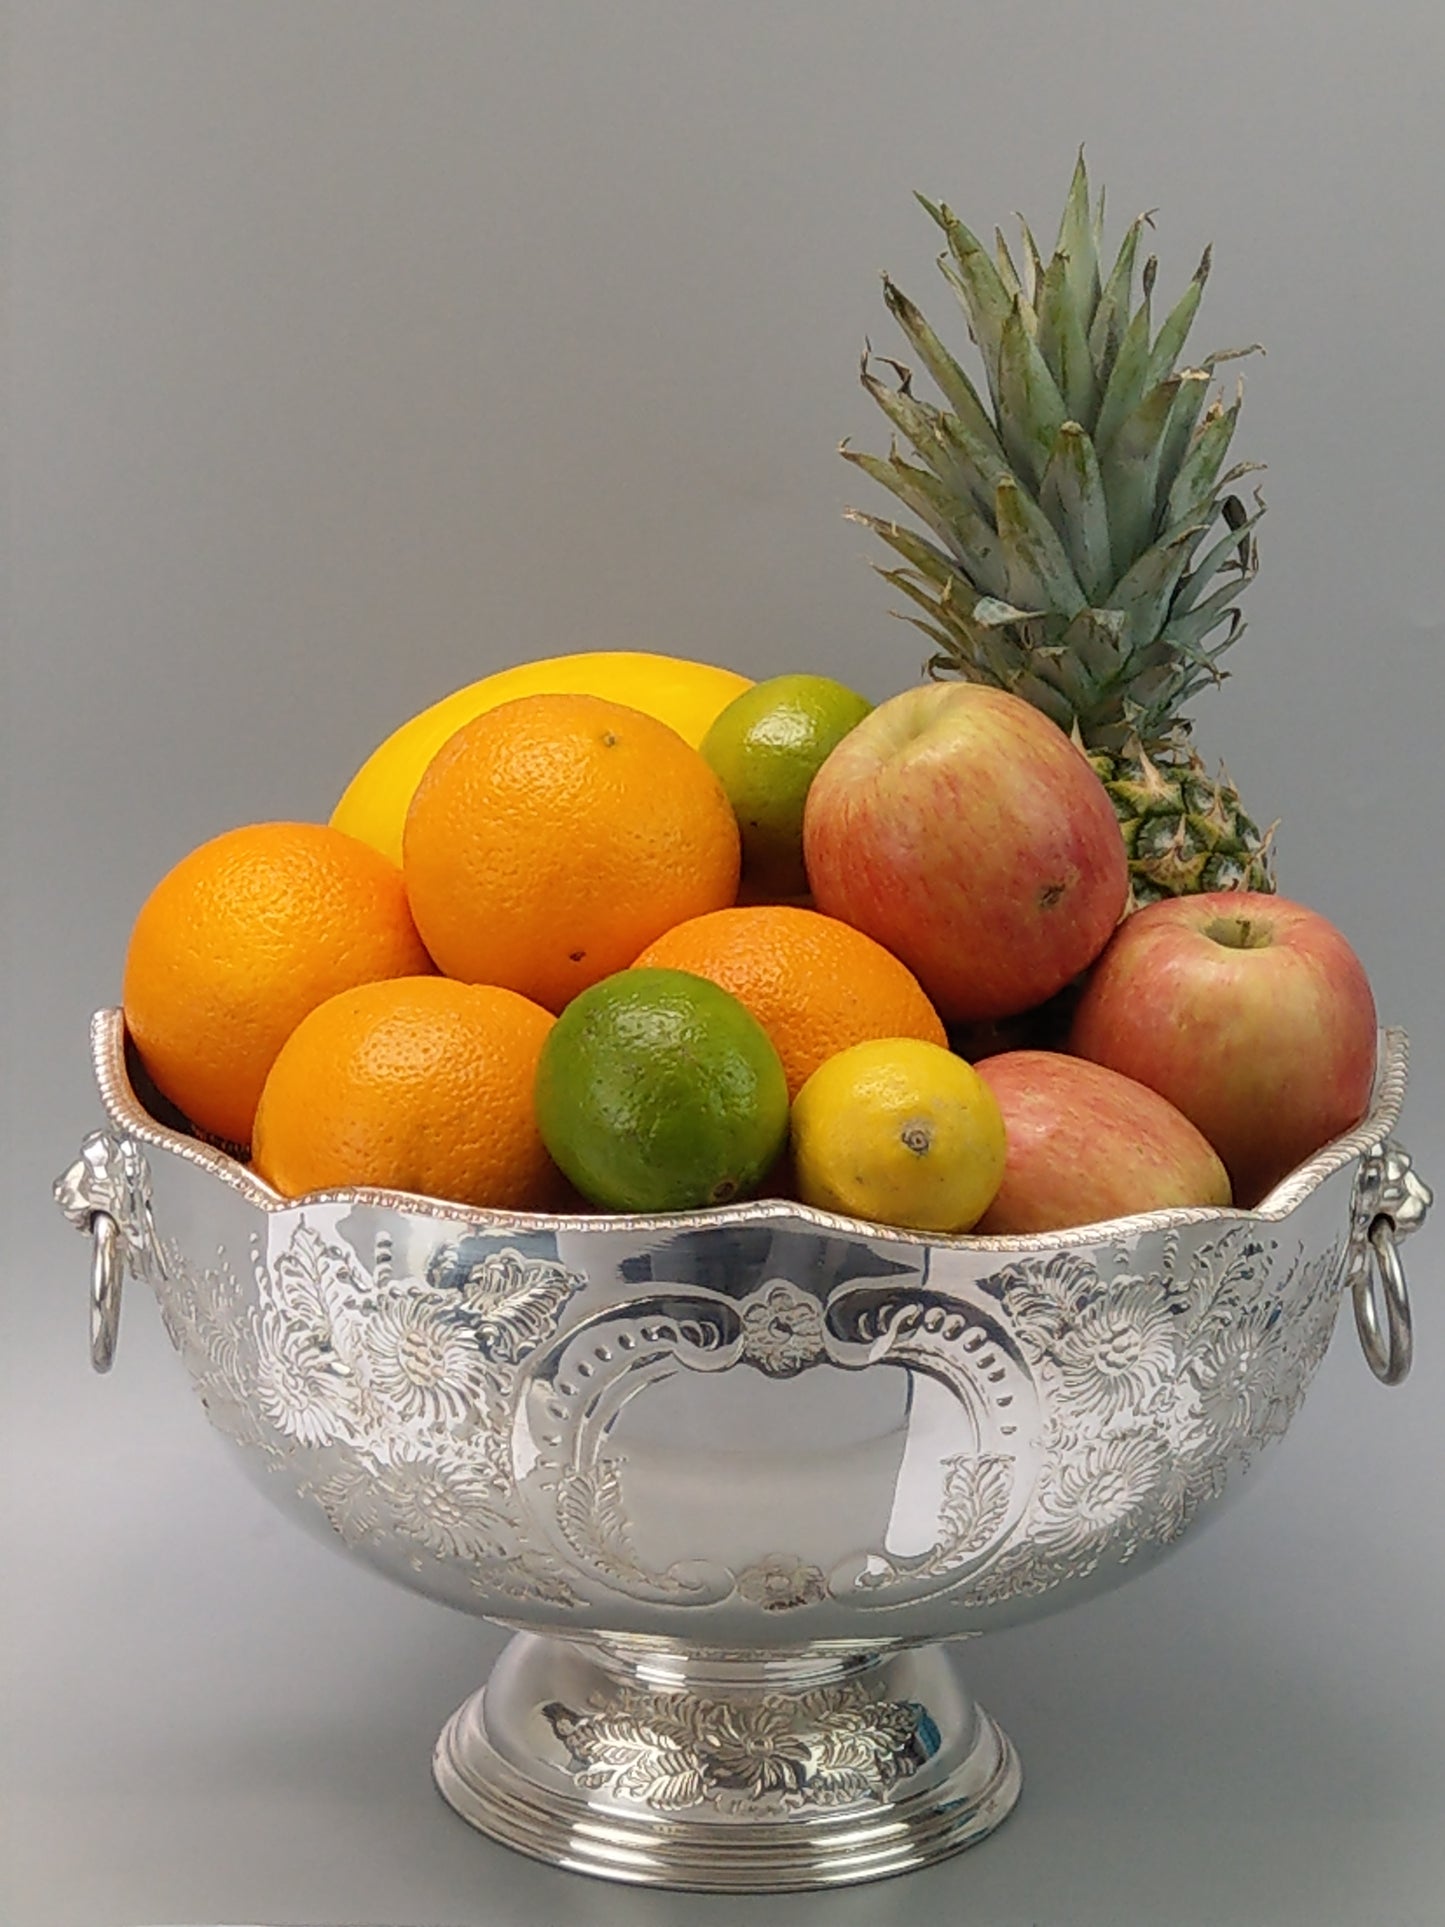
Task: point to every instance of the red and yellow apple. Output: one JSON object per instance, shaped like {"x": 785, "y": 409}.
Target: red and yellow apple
{"x": 963, "y": 830}
{"x": 1085, "y": 1145}
{"x": 1250, "y": 1013}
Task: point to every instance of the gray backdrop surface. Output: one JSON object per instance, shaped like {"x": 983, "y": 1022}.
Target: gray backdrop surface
{"x": 357, "y": 350}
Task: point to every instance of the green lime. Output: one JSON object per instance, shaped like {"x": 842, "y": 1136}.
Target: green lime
{"x": 658, "y": 1091}
{"x": 765, "y": 748}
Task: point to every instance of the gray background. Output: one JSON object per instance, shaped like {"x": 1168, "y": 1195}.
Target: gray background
{"x": 359, "y": 349}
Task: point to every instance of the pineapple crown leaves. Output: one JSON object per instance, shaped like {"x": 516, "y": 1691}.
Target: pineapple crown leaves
{"x": 1070, "y": 546}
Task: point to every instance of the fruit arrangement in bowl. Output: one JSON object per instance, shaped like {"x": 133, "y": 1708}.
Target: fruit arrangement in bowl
{"x": 752, "y": 1184}
{"x": 616, "y": 970}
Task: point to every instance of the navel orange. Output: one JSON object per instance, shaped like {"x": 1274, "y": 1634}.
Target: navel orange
{"x": 554, "y": 837}
{"x": 239, "y": 941}
{"x": 419, "y": 1085}
{"x": 815, "y": 985}
{"x": 685, "y": 695}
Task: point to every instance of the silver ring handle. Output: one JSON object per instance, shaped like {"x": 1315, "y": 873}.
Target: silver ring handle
{"x": 1390, "y": 1202}
{"x": 107, "y": 1193}
{"x": 107, "y": 1270}
{"x": 1388, "y": 1340}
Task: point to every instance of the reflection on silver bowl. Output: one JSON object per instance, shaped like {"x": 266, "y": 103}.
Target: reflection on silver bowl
{"x": 742, "y": 1475}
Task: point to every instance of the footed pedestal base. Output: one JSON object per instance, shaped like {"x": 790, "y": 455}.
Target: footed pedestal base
{"x": 727, "y": 1773}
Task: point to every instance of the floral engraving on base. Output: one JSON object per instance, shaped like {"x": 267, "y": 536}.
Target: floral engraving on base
{"x": 387, "y": 1400}
{"x": 1156, "y": 1388}
{"x": 776, "y": 1753}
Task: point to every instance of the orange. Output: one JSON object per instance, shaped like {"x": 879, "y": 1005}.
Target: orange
{"x": 415, "y": 1085}
{"x": 554, "y": 837}
{"x": 686, "y": 695}
{"x": 239, "y": 941}
{"x": 815, "y": 985}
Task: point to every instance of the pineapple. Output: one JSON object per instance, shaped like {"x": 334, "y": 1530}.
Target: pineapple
{"x": 1084, "y": 546}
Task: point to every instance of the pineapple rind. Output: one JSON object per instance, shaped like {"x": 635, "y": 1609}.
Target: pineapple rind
{"x": 1184, "y": 831}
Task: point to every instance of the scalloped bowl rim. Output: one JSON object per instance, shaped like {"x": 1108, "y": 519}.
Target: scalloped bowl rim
{"x": 128, "y": 1113}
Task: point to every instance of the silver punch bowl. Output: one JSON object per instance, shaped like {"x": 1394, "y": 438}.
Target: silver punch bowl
{"x": 741, "y": 1479}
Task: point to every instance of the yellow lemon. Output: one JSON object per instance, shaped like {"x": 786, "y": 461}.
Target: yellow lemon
{"x": 899, "y": 1132}
{"x": 685, "y": 695}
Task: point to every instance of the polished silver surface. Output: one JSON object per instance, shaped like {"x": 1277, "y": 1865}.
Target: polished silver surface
{"x": 723, "y": 1774}
{"x": 1388, "y": 1343}
{"x": 105, "y": 1282}
{"x": 103, "y": 1193}
{"x": 729, "y": 1468}
{"x": 1390, "y": 1202}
